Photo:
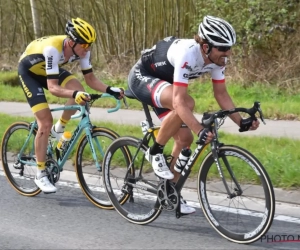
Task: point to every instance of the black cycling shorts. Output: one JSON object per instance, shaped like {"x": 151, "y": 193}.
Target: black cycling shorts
{"x": 34, "y": 85}
{"x": 146, "y": 88}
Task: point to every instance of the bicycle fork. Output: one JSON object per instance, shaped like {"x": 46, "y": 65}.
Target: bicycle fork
{"x": 216, "y": 155}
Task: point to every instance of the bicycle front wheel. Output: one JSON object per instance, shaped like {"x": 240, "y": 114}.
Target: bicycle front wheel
{"x": 245, "y": 211}
{"x": 131, "y": 185}
{"x": 19, "y": 174}
{"x": 88, "y": 175}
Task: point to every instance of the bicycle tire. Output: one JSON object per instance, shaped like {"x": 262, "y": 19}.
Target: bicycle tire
{"x": 12, "y": 142}
{"x": 207, "y": 185}
{"x": 89, "y": 177}
{"x": 149, "y": 212}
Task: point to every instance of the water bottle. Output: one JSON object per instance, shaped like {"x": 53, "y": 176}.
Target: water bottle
{"x": 63, "y": 141}
{"x": 145, "y": 126}
{"x": 182, "y": 160}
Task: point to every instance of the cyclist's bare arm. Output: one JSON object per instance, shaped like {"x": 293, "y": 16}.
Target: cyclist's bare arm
{"x": 93, "y": 82}
{"x": 224, "y": 100}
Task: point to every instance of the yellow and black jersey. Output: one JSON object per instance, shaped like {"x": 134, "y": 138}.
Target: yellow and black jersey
{"x": 45, "y": 55}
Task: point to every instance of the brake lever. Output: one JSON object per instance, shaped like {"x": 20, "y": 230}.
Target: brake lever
{"x": 261, "y": 116}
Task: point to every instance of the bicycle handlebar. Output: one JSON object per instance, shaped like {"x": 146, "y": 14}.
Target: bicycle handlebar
{"x": 93, "y": 98}
{"x": 208, "y": 118}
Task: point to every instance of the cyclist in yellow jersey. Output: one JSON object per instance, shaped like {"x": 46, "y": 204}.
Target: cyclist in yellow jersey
{"x": 40, "y": 68}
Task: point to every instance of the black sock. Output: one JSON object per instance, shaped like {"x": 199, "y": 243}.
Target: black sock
{"x": 156, "y": 149}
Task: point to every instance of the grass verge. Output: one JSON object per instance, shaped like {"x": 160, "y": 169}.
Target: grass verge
{"x": 276, "y": 103}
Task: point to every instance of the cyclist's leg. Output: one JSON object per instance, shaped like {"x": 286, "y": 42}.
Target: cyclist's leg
{"x": 158, "y": 94}
{"x": 68, "y": 81}
{"x": 33, "y": 90}
{"x": 183, "y": 138}
{"x": 143, "y": 85}
{"x": 171, "y": 122}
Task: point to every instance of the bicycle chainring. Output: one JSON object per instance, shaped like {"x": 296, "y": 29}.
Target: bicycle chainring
{"x": 52, "y": 170}
{"x": 167, "y": 195}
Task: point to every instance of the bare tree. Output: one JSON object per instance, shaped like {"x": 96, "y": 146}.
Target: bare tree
{"x": 35, "y": 19}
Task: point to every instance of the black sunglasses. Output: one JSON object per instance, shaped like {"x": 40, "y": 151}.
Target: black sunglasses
{"x": 222, "y": 48}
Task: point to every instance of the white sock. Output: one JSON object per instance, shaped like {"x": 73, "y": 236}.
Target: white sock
{"x": 40, "y": 168}
{"x": 60, "y": 125}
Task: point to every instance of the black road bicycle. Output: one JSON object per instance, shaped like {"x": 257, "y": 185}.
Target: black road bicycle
{"x": 234, "y": 190}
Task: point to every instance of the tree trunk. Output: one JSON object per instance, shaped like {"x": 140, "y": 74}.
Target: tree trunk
{"x": 35, "y": 19}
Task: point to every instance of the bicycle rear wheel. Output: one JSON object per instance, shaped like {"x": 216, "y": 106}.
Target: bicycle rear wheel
{"x": 89, "y": 177}
{"x": 131, "y": 186}
{"x": 20, "y": 176}
{"x": 242, "y": 217}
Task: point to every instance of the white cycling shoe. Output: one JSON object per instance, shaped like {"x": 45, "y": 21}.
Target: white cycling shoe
{"x": 44, "y": 184}
{"x": 184, "y": 208}
{"x": 159, "y": 165}
{"x": 54, "y": 134}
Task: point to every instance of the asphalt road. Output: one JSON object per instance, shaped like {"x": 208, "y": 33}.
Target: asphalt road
{"x": 67, "y": 220}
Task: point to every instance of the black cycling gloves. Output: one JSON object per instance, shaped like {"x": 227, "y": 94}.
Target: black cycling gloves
{"x": 245, "y": 124}
{"x": 115, "y": 92}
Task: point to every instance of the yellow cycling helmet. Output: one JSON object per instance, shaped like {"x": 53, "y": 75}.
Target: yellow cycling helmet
{"x": 80, "y": 31}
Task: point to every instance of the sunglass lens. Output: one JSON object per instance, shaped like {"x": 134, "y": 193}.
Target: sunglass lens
{"x": 224, "y": 48}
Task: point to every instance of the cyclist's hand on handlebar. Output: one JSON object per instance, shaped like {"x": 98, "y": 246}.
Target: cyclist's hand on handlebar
{"x": 255, "y": 125}
{"x": 205, "y": 136}
{"x": 118, "y": 93}
{"x": 248, "y": 124}
{"x": 81, "y": 97}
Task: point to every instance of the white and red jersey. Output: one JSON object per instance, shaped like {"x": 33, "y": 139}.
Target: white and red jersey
{"x": 178, "y": 60}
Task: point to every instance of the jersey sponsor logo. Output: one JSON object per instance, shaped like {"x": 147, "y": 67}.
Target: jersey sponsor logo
{"x": 186, "y": 76}
{"x": 186, "y": 66}
{"x": 35, "y": 61}
{"x": 49, "y": 62}
{"x": 159, "y": 64}
{"x": 140, "y": 77}
{"x": 26, "y": 90}
{"x": 195, "y": 75}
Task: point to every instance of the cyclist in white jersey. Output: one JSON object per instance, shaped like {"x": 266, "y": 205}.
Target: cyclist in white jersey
{"x": 161, "y": 76}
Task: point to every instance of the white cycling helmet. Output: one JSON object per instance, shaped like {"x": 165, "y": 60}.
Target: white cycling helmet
{"x": 217, "y": 31}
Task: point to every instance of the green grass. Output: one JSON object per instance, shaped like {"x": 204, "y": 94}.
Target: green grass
{"x": 279, "y": 156}
{"x": 276, "y": 103}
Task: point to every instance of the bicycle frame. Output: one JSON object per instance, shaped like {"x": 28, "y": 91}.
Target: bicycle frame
{"x": 84, "y": 124}
{"x": 215, "y": 144}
